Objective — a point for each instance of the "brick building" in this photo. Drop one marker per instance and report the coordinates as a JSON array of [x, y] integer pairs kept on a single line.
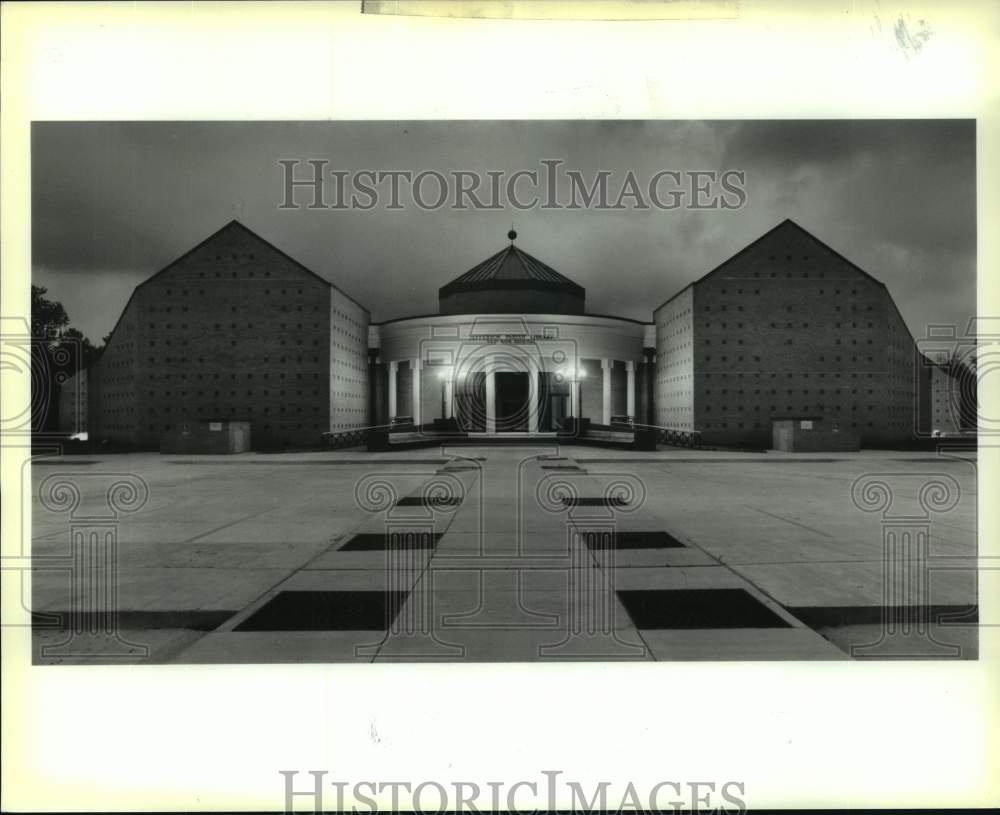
[[237, 330], [786, 326]]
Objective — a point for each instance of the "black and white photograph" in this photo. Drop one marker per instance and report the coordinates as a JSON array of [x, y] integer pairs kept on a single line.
[[499, 406], [506, 391]]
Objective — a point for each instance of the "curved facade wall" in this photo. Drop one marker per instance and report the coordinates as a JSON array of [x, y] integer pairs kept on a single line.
[[599, 355]]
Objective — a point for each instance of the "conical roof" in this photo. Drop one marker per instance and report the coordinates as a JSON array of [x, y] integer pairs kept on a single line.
[[512, 265]]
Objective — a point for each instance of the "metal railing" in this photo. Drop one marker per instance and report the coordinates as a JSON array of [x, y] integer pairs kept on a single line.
[[676, 437], [339, 439]]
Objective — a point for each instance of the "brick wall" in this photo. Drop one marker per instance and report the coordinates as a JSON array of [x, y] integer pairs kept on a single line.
[[788, 327], [944, 401], [234, 330], [112, 407], [900, 418], [349, 374], [674, 372]]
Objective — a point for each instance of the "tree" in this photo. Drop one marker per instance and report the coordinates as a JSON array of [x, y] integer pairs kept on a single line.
[[48, 317], [52, 338], [88, 352]]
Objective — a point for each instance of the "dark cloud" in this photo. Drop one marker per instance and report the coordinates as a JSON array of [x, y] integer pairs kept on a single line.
[[114, 202], [822, 141]]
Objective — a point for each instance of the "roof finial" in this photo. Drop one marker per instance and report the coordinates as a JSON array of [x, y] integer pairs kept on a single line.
[[512, 234]]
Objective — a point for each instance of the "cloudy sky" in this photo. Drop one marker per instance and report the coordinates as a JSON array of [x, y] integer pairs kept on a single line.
[[113, 203]]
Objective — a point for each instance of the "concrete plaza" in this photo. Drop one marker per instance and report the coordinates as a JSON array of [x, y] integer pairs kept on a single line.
[[505, 553]]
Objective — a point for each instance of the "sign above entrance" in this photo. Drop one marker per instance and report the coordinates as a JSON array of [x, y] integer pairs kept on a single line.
[[507, 339]]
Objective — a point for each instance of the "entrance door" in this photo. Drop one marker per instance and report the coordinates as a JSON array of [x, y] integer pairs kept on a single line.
[[512, 393], [470, 403]]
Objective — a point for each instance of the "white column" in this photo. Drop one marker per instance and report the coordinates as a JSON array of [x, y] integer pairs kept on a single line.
[[532, 401], [393, 368], [415, 367], [448, 396], [606, 366], [630, 389], [491, 394]]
